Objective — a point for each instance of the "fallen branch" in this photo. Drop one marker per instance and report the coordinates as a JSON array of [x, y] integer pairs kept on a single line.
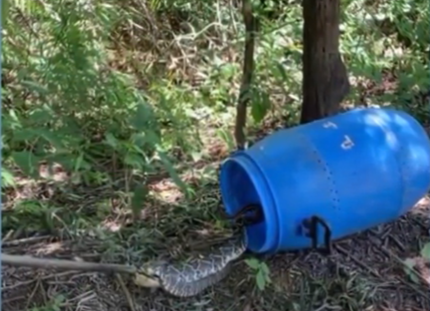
[[33, 262]]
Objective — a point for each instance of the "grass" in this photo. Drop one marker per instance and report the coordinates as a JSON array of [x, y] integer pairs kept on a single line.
[[115, 118]]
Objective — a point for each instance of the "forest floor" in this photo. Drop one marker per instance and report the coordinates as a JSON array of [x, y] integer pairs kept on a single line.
[[184, 61], [366, 272]]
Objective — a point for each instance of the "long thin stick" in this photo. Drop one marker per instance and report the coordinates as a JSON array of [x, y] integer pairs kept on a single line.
[[28, 261]]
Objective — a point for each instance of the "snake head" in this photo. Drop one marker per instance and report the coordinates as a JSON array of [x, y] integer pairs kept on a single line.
[[148, 275]]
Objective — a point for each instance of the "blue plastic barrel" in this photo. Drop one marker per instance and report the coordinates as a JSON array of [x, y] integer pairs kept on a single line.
[[355, 170]]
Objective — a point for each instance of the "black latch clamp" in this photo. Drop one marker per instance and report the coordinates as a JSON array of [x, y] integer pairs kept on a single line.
[[311, 224]]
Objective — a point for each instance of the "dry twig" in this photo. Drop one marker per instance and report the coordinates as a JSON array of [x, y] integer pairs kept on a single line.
[[28, 261]]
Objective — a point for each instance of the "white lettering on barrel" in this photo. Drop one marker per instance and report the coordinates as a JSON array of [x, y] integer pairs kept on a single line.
[[347, 143], [329, 124]]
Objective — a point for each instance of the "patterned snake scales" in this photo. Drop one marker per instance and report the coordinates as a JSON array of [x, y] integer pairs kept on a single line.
[[191, 278]]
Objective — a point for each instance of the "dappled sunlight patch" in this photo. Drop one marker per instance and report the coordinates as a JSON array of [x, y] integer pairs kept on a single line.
[[55, 172], [25, 189], [418, 269], [112, 225], [39, 188], [422, 207], [50, 248], [195, 177], [424, 202], [203, 232], [166, 191]]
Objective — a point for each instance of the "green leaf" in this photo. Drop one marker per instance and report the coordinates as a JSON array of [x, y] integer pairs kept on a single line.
[[134, 160], [172, 172], [425, 252], [144, 117], [139, 140], [253, 263], [80, 163], [21, 135], [27, 162], [227, 137], [414, 278], [261, 280], [265, 268], [40, 116], [282, 72], [228, 71], [260, 106], [409, 270], [5, 5], [151, 137], [111, 140], [147, 140], [53, 138], [7, 179], [139, 195], [60, 298], [35, 87]]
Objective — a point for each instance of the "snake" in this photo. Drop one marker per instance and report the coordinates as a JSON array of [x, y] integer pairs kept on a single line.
[[197, 274], [192, 277]]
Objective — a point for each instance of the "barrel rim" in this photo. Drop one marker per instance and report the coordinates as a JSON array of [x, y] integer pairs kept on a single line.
[[264, 193]]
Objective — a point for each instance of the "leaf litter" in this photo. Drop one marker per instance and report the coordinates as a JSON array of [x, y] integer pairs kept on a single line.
[[383, 269], [368, 271]]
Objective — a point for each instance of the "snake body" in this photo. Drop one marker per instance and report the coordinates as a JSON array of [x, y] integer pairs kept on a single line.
[[194, 276]]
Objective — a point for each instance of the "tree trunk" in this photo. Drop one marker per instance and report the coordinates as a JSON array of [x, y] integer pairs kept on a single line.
[[325, 80], [251, 26]]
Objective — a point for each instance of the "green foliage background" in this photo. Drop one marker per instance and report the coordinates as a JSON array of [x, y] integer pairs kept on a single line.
[[130, 89], [86, 81]]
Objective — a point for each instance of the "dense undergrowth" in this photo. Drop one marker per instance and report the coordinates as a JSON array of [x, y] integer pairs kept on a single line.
[[88, 83], [109, 89]]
